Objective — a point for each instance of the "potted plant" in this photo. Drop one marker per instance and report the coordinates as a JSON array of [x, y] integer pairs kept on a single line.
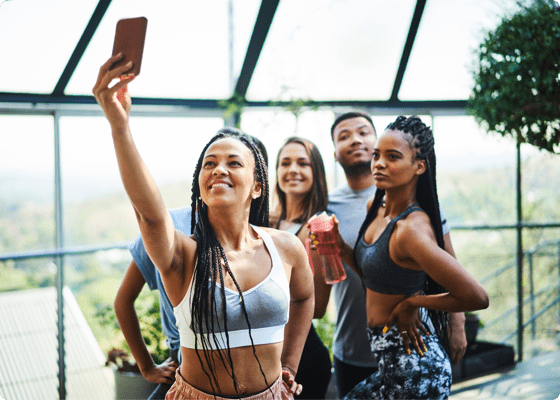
[[129, 382], [516, 81], [472, 325]]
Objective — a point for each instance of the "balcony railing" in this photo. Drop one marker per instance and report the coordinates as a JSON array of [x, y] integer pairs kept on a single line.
[[528, 255]]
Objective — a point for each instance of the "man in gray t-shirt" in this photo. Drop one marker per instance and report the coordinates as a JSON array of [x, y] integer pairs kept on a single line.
[[354, 138]]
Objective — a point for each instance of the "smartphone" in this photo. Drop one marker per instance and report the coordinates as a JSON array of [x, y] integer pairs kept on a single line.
[[129, 40]]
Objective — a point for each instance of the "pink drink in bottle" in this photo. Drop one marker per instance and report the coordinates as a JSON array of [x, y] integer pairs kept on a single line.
[[327, 251]]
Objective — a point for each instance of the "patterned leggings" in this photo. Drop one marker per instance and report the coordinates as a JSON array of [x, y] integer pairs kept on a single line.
[[403, 376]]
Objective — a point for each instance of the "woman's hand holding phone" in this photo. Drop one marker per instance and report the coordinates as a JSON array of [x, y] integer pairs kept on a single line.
[[114, 100]]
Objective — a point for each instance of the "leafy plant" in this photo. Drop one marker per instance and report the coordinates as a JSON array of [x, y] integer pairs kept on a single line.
[[325, 330], [517, 81], [147, 309]]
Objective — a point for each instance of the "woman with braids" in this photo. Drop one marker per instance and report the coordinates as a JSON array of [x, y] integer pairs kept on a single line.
[[411, 282], [234, 283], [301, 187]]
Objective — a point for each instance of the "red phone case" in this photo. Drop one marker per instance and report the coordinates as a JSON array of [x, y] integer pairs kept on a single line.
[[129, 40]]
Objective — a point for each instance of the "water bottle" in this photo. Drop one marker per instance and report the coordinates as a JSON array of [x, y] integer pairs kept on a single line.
[[327, 251]]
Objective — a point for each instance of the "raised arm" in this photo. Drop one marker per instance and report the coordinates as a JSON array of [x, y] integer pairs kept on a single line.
[[156, 226]]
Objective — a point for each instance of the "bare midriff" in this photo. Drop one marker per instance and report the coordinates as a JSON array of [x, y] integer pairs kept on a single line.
[[245, 366], [379, 306]]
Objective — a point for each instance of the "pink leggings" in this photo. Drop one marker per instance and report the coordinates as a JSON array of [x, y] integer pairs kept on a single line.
[[182, 390]]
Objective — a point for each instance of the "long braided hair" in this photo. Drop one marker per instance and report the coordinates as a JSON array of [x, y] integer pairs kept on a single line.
[[211, 261], [421, 138]]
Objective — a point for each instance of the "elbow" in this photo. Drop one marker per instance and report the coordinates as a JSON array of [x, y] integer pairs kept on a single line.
[[482, 301], [486, 301], [117, 306], [122, 305], [319, 312]]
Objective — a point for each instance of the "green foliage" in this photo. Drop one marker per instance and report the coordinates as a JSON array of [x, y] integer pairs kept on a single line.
[[325, 330], [147, 309], [517, 84], [233, 106]]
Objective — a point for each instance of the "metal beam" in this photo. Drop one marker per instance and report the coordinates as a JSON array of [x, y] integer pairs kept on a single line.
[[40, 100], [260, 31], [81, 47], [415, 23]]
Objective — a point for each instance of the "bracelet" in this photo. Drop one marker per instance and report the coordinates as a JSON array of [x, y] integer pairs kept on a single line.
[[289, 370]]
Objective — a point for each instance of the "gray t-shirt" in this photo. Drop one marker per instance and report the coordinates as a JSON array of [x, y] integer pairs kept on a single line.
[[350, 342]]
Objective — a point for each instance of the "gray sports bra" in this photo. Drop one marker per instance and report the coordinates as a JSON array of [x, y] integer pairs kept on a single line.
[[268, 306], [382, 274]]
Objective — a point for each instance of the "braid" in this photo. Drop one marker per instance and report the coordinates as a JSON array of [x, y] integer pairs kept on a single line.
[[421, 138], [372, 213], [212, 261]]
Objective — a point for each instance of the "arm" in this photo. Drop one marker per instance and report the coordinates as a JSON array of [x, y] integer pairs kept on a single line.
[[322, 289], [456, 328], [154, 221], [301, 303], [127, 294], [415, 243]]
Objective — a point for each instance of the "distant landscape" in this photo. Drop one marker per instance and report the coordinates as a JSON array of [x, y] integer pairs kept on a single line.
[[474, 197]]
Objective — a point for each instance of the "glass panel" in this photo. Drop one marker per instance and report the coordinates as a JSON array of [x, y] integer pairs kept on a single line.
[[541, 185], [186, 53], [27, 296], [476, 173], [490, 256], [96, 208], [332, 50], [541, 287], [26, 183], [38, 37], [441, 61]]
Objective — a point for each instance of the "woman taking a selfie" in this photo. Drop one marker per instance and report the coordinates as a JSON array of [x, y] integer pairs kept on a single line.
[[302, 192], [411, 282], [234, 283]]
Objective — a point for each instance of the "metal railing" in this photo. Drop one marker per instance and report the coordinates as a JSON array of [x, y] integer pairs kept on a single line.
[[60, 253], [533, 296]]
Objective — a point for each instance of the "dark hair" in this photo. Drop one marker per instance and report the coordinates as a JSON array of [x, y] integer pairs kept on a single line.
[[211, 257], [317, 198], [261, 147], [349, 115], [420, 137]]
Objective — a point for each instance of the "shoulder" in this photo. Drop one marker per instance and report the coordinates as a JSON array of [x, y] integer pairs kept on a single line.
[[286, 243], [281, 238], [414, 230], [339, 194]]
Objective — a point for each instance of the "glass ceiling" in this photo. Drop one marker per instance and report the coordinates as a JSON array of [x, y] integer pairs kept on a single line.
[[325, 50]]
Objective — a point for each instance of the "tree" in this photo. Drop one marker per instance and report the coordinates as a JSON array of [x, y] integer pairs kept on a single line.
[[517, 81]]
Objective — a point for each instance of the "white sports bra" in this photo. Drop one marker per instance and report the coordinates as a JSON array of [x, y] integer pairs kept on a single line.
[[267, 305]]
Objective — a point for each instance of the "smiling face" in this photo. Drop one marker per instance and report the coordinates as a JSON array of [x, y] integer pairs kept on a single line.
[[354, 139], [294, 173], [394, 163], [227, 175]]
